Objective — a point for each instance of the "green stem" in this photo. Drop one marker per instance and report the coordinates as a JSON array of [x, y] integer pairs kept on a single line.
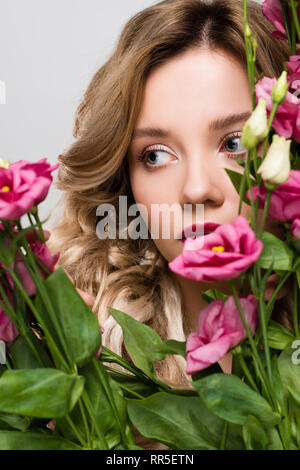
[[110, 356], [274, 295], [295, 18], [77, 434], [247, 171], [38, 280], [86, 400], [37, 219], [265, 213], [270, 121], [247, 372], [57, 356], [262, 317], [100, 371], [85, 423], [224, 436], [250, 337], [296, 320], [286, 22], [21, 326]]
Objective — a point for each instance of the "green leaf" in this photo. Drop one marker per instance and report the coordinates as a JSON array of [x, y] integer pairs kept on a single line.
[[289, 368], [6, 254], [236, 179], [213, 294], [274, 439], [14, 440], [101, 409], [133, 384], [295, 242], [11, 421], [295, 395], [278, 336], [180, 422], [254, 435], [172, 347], [276, 251], [41, 393], [2, 369], [231, 399], [141, 342], [22, 355], [77, 324]]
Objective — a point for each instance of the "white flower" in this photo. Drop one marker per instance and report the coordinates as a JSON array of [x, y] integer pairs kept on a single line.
[[276, 167], [256, 128]]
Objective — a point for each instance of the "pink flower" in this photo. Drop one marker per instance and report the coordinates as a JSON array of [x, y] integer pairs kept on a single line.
[[287, 118], [223, 254], [8, 330], [293, 68], [22, 186], [43, 254], [284, 201], [273, 12], [219, 329], [295, 229]]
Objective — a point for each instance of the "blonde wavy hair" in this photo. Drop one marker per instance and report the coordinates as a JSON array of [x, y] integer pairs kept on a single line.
[[131, 275]]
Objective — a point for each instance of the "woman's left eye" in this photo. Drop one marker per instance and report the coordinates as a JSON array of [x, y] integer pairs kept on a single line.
[[233, 146]]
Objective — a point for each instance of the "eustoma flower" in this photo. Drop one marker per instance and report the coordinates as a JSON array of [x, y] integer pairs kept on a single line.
[[295, 229], [273, 12], [8, 331], [43, 254], [276, 167], [285, 199], [220, 328], [286, 121], [22, 186], [256, 128], [293, 68], [223, 254]]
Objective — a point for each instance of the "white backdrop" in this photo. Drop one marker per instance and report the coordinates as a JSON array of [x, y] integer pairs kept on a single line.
[[49, 50]]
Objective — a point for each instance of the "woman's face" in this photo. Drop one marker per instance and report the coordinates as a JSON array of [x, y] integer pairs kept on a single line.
[[200, 101]]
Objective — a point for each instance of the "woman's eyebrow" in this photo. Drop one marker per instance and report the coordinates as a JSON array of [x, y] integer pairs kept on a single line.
[[216, 124]]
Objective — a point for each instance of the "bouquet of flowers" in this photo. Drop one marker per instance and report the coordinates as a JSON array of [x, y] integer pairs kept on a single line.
[[57, 390]]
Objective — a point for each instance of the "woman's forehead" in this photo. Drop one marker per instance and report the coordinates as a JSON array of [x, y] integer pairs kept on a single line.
[[197, 84]]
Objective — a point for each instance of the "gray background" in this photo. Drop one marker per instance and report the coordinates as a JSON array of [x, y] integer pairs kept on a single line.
[[49, 50]]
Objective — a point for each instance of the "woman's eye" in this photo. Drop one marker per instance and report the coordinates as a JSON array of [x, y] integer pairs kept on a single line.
[[157, 158], [233, 147]]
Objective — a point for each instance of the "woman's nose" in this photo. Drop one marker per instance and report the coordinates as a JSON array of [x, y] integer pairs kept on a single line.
[[203, 182]]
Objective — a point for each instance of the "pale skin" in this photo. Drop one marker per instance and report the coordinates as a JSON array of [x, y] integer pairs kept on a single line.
[[184, 97]]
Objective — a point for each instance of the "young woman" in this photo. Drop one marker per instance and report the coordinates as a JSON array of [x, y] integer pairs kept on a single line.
[[159, 123]]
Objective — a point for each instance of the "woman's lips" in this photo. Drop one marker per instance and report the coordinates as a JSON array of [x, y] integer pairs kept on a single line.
[[197, 230]]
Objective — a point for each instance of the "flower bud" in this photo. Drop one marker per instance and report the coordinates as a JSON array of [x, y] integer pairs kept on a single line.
[[280, 89], [248, 32], [4, 163], [276, 167], [256, 128]]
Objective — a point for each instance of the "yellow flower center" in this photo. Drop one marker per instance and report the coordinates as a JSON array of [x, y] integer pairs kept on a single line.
[[218, 248], [5, 189]]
